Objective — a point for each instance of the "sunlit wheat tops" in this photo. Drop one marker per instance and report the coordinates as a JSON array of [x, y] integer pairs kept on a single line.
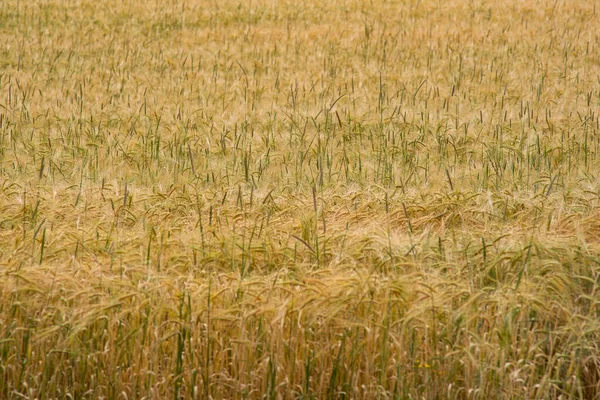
[[334, 199]]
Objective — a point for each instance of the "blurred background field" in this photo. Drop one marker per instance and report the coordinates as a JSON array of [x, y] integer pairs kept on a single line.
[[299, 199]]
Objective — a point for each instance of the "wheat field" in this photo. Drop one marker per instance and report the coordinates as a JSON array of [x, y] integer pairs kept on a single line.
[[317, 199]]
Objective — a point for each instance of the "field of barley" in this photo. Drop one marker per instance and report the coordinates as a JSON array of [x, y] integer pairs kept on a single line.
[[315, 199]]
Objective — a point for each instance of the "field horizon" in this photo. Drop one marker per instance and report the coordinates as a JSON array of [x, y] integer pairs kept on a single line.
[[318, 199]]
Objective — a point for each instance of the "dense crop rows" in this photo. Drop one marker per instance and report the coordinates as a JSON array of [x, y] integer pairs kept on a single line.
[[299, 199]]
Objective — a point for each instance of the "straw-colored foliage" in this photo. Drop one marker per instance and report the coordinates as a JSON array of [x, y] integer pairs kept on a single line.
[[299, 199]]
